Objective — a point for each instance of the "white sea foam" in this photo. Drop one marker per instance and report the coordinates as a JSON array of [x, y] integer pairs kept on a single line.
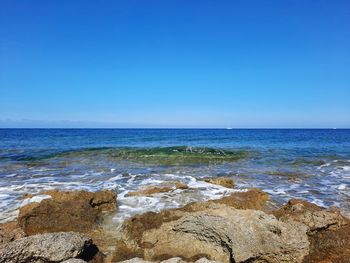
[[35, 199], [346, 168], [342, 187]]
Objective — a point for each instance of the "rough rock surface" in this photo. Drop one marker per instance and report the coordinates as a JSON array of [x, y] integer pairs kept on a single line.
[[251, 199], [215, 231], [66, 211], [315, 217], [74, 260], [51, 248], [228, 235], [223, 181], [330, 246], [170, 260], [162, 188], [10, 231], [104, 200], [133, 228]]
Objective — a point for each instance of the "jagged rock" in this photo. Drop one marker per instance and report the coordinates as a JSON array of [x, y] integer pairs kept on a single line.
[[315, 217], [170, 260], [137, 225], [104, 200], [251, 199], [330, 246], [223, 181], [10, 231], [48, 248], [74, 260], [174, 260], [205, 260], [161, 188], [226, 234], [66, 211], [214, 231], [135, 260]]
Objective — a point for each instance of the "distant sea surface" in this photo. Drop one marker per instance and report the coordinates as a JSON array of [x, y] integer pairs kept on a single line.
[[287, 163]]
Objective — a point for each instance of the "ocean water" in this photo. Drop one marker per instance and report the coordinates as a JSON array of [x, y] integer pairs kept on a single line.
[[287, 163]]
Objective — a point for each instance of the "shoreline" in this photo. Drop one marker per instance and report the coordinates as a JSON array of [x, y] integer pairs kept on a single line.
[[155, 236]]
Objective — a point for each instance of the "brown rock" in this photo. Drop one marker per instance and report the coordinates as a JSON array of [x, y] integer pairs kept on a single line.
[[10, 231], [218, 233], [252, 199], [329, 231], [330, 246], [162, 188], [223, 181], [66, 211], [54, 216], [103, 200], [131, 245], [315, 217]]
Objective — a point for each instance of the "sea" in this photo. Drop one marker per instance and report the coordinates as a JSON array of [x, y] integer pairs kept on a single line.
[[311, 164]]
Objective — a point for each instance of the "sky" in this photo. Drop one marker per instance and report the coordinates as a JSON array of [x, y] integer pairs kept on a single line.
[[175, 63]]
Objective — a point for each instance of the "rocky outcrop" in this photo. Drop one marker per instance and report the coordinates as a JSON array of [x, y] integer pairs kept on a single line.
[[170, 260], [161, 188], [66, 211], [228, 235], [223, 181], [315, 217], [104, 200], [328, 230], [330, 246], [251, 199], [74, 260], [10, 231], [48, 248], [214, 230]]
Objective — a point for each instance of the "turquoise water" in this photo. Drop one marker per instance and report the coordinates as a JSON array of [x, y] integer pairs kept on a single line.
[[309, 164]]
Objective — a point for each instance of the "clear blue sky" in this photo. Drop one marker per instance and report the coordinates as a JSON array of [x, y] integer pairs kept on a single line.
[[175, 63]]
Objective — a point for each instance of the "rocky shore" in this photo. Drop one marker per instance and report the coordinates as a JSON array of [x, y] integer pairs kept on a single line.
[[70, 226]]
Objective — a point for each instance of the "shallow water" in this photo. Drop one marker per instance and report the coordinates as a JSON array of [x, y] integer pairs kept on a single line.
[[309, 164]]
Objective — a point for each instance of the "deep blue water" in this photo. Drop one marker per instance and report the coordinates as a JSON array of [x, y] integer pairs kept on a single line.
[[312, 164]]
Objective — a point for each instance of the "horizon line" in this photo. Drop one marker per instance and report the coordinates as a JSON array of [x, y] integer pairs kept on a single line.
[[174, 128]]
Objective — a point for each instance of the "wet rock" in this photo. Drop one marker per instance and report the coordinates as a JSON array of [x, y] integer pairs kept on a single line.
[[315, 217], [104, 200], [10, 231], [66, 211], [161, 188], [50, 248], [251, 199], [55, 216], [215, 231], [223, 181], [330, 246]]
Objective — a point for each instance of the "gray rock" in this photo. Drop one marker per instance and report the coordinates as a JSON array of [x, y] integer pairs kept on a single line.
[[170, 260], [205, 260], [135, 260], [52, 247], [173, 260], [74, 260], [229, 235]]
